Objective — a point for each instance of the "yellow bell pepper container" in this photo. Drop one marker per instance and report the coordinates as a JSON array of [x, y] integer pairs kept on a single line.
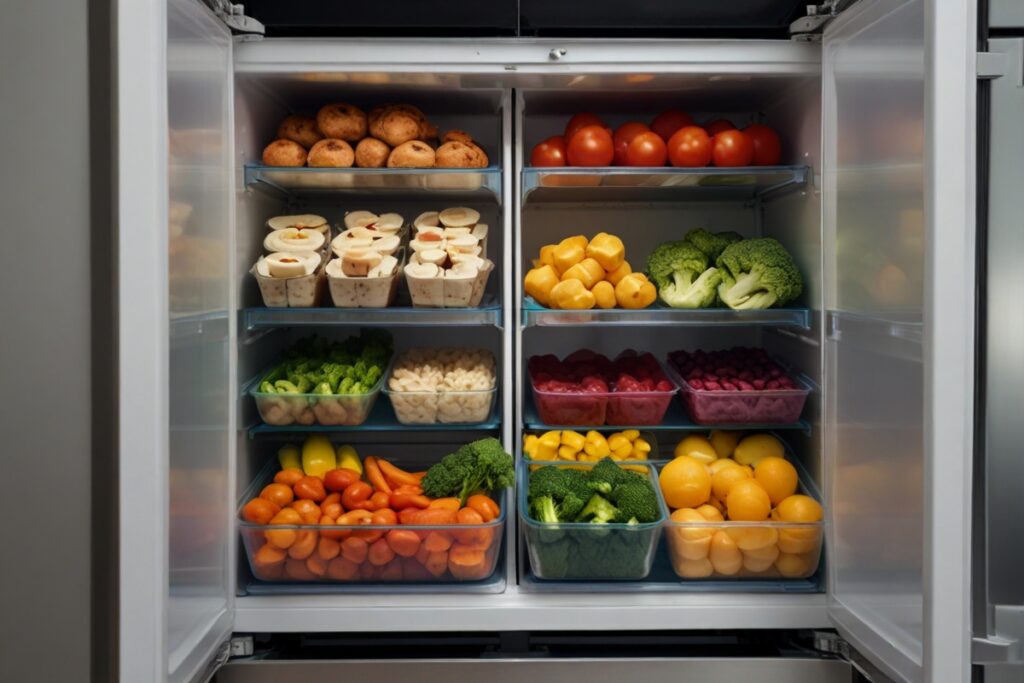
[[613, 276], [571, 294], [608, 250], [530, 445], [604, 294], [539, 282], [568, 253], [573, 439], [597, 445], [635, 291], [588, 271]]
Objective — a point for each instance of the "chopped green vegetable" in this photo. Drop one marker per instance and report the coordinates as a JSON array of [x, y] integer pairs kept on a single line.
[[482, 465], [758, 274], [313, 364]]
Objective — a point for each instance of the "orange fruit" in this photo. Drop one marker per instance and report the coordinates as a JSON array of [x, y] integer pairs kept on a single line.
[[760, 560], [723, 480], [697, 447], [724, 555], [724, 442], [800, 509], [748, 502], [777, 476], [721, 464], [794, 566], [689, 542], [685, 483], [711, 513], [693, 569], [754, 537]]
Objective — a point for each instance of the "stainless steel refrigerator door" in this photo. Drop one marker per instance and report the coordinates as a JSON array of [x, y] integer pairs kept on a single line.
[[1001, 589], [898, 221], [176, 336]]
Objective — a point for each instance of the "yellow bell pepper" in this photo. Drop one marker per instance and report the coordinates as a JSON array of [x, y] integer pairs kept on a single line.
[[613, 276], [597, 445], [288, 457], [547, 255], [318, 455], [530, 444], [567, 453], [576, 239], [621, 447], [635, 291], [547, 446], [608, 250], [539, 282], [568, 253], [573, 439], [571, 294], [631, 434], [641, 449], [348, 458], [604, 294], [588, 271]]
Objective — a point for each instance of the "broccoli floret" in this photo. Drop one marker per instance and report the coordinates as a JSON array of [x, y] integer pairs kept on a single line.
[[757, 274], [558, 482], [636, 501], [554, 558], [711, 243], [680, 271], [598, 511], [700, 293], [482, 465], [607, 471], [570, 507], [544, 509]]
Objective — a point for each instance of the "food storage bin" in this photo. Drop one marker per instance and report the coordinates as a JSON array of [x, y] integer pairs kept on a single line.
[[306, 409], [779, 406], [304, 291], [442, 407], [589, 552], [612, 408], [746, 550], [655, 456], [366, 292], [441, 292], [306, 553]]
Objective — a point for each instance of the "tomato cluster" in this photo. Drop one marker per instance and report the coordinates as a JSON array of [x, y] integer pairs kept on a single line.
[[672, 137]]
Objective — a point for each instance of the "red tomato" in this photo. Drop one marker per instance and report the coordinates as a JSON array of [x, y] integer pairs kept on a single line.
[[581, 121], [732, 148], [717, 126], [669, 121], [550, 152], [624, 135], [591, 146], [767, 147], [647, 149], [690, 146]]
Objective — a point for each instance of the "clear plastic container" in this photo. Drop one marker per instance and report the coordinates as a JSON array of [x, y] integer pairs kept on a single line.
[[325, 554], [441, 292], [442, 407], [653, 457], [304, 291], [308, 409], [589, 552], [365, 292], [626, 408], [778, 406]]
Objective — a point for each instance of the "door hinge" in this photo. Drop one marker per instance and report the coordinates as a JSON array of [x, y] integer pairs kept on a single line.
[[1004, 645], [991, 64], [833, 644], [233, 15], [219, 659], [241, 646], [810, 26]]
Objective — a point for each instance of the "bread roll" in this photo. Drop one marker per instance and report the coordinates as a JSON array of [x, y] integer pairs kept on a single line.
[[300, 129], [331, 153], [342, 121], [372, 153], [460, 155], [284, 153], [412, 154], [458, 136]]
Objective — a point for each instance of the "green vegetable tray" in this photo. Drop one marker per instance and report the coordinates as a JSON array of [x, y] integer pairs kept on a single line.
[[581, 551]]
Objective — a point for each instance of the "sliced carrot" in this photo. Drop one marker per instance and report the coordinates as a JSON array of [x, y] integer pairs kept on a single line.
[[434, 517], [437, 563], [270, 572], [438, 541], [354, 550], [392, 571], [452, 504], [396, 475], [342, 569], [369, 572], [268, 555], [476, 536], [336, 535], [316, 565], [422, 554], [328, 548], [484, 505], [403, 542], [297, 570], [402, 499], [305, 544], [465, 562], [380, 553], [413, 570], [379, 500], [375, 476]]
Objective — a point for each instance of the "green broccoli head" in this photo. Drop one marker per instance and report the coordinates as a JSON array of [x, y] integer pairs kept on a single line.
[[598, 511], [701, 293], [758, 274], [711, 244], [544, 509], [606, 470], [636, 501], [482, 465], [558, 482], [676, 263]]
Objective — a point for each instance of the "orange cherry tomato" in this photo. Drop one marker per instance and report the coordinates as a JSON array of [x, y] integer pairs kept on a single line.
[[580, 121], [259, 511], [379, 500], [550, 152], [331, 505], [340, 479], [717, 126], [690, 146], [624, 135], [289, 476], [732, 148], [767, 146], [669, 121], [484, 506], [354, 549], [278, 494], [591, 146], [308, 510], [646, 149], [356, 494], [283, 538], [333, 534], [310, 488]]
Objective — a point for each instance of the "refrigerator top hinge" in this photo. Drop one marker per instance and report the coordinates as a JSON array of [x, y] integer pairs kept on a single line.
[[808, 28], [233, 15]]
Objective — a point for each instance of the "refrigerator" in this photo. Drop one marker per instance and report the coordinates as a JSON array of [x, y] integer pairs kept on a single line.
[[875, 199]]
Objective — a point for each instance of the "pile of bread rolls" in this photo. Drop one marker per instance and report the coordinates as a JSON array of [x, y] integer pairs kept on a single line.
[[393, 136]]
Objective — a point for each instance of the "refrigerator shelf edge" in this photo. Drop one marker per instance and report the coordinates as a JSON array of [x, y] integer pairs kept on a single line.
[[535, 315], [300, 180], [489, 313], [608, 184]]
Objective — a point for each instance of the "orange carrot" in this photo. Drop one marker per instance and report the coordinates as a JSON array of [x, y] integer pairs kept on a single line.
[[467, 563], [379, 500], [452, 504], [437, 563], [297, 571], [328, 549], [484, 505], [476, 537], [316, 565], [380, 553], [403, 542], [434, 517], [342, 569], [305, 544], [375, 476], [392, 571], [413, 570], [404, 499], [396, 475], [438, 541], [354, 550]]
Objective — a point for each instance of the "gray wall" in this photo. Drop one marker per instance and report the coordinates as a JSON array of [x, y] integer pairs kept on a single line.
[[49, 307]]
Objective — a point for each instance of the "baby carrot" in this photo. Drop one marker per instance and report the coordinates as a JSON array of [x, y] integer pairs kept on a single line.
[[403, 542], [380, 553], [375, 476], [396, 475]]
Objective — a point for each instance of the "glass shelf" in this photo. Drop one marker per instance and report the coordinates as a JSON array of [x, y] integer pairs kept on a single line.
[[535, 315], [675, 419], [382, 419], [405, 181], [487, 314], [611, 184]]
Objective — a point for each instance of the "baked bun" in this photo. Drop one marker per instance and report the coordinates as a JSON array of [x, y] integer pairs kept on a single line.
[[284, 153], [456, 154], [394, 127], [331, 153], [457, 136], [300, 129], [411, 154], [342, 121], [372, 153]]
